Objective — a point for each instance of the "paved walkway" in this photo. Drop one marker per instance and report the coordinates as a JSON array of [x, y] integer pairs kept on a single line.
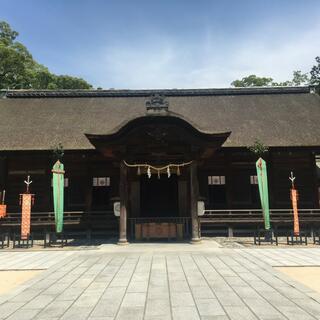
[[146, 282]]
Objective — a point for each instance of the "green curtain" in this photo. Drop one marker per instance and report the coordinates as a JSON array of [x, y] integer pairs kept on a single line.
[[58, 194], [263, 190]]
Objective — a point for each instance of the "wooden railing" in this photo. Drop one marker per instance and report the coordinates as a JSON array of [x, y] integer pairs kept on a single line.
[[88, 219], [105, 220], [256, 216]]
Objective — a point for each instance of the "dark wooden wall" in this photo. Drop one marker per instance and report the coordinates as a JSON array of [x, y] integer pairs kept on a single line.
[[302, 164], [235, 164], [3, 172], [80, 169], [238, 165]]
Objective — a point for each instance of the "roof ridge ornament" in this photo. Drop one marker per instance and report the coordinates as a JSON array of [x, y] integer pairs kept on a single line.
[[157, 104]]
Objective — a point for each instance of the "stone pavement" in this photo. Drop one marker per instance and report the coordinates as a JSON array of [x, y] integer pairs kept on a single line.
[[157, 282]]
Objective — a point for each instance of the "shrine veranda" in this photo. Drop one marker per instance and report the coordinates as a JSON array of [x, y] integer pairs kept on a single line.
[[139, 163]]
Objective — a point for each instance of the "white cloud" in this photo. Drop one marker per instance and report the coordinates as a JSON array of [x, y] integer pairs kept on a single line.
[[278, 60], [172, 64]]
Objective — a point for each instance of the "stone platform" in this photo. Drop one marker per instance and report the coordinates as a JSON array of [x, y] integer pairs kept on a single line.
[[161, 281]]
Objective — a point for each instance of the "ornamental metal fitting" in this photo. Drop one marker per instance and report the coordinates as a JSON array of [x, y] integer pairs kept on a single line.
[[157, 104]]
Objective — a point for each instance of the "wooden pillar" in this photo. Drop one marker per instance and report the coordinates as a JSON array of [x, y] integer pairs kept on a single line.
[[3, 173], [48, 197], [194, 194], [228, 170], [88, 217], [315, 186], [123, 204], [230, 231], [88, 195], [135, 198], [88, 189]]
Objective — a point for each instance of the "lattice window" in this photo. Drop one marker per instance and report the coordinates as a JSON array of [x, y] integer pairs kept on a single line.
[[216, 180], [253, 180], [101, 182]]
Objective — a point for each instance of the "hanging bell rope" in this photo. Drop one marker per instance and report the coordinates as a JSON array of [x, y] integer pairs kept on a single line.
[[158, 170]]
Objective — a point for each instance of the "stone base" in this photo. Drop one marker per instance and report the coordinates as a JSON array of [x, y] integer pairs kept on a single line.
[[195, 241], [122, 242]]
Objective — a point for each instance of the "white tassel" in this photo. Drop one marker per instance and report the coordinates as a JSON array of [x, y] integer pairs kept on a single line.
[[149, 172], [168, 172]]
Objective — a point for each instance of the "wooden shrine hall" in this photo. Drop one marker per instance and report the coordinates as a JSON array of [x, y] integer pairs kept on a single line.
[[160, 164]]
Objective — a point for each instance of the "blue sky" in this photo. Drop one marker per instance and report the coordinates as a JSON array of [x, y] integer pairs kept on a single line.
[[168, 44]]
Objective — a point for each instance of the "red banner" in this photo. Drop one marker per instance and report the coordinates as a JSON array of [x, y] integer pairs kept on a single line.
[[26, 203], [294, 199], [3, 210]]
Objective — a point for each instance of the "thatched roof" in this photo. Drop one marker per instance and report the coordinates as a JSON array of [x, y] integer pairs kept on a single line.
[[39, 120]]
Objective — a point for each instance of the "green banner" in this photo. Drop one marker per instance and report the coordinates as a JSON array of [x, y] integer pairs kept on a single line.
[[58, 194], [263, 190]]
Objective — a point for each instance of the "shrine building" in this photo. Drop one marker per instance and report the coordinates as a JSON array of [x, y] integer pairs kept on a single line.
[[139, 164]]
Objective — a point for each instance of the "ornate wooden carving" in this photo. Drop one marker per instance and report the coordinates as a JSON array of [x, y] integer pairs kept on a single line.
[[157, 103]]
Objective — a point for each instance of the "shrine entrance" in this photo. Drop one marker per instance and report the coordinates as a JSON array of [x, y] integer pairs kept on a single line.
[[162, 144], [158, 214], [159, 197]]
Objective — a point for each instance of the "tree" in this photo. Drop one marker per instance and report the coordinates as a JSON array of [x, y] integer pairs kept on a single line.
[[18, 69], [298, 79], [252, 81], [67, 82], [7, 35], [315, 74], [15, 60]]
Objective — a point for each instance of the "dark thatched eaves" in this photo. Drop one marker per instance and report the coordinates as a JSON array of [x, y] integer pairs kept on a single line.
[[39, 120]]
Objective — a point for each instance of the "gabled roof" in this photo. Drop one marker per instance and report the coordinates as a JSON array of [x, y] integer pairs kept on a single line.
[[277, 116]]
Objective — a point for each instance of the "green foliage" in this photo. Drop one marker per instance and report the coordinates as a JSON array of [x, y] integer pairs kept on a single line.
[[67, 82], [58, 152], [252, 81], [7, 35], [315, 74], [258, 148], [13, 71], [18, 69], [298, 79]]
